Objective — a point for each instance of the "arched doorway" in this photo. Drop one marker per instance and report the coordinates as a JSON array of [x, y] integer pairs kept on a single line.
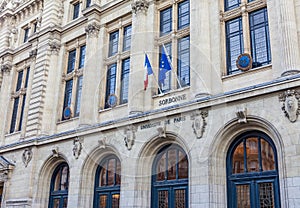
[[107, 183], [252, 172], [170, 178]]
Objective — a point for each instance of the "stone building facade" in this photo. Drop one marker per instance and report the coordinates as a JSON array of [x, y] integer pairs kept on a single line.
[[219, 128]]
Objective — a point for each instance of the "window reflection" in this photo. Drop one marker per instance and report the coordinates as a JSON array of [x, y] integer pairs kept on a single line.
[[259, 156], [110, 173], [172, 165]]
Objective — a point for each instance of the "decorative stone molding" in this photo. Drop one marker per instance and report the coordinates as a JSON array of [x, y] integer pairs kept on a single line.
[[242, 115], [129, 136], [290, 104], [6, 168], [55, 152], [27, 156], [102, 143], [199, 123], [139, 6], [92, 29], [54, 46], [77, 147]]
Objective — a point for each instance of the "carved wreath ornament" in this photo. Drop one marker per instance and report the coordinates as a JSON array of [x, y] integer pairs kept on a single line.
[[290, 104]]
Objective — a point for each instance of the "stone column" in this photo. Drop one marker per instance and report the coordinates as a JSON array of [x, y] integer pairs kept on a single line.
[[289, 42], [91, 75], [142, 40]]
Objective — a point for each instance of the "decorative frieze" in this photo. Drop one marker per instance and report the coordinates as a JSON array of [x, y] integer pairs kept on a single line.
[[92, 29], [129, 136], [139, 6], [290, 104]]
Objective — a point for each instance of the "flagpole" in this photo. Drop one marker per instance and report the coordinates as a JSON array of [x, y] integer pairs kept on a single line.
[[154, 77], [170, 62]]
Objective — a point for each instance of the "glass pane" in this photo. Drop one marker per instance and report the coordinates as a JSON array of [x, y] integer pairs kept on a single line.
[[163, 199], [231, 4], [113, 43], [103, 201], [19, 81], [65, 203], [238, 159], [234, 43], [165, 21], [166, 84], [115, 200], [260, 40], [127, 38], [103, 175], [76, 10], [183, 70], [110, 82], [182, 166], [78, 95], [71, 61], [183, 14], [243, 196], [180, 198], [82, 56], [57, 182], [125, 81], [267, 156], [161, 168], [172, 156], [266, 195], [55, 203], [118, 173], [111, 172], [252, 154], [14, 115], [64, 178]]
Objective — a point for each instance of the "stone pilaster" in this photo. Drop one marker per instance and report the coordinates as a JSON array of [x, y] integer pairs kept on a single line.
[[142, 32], [289, 42], [5, 95], [91, 75], [203, 71]]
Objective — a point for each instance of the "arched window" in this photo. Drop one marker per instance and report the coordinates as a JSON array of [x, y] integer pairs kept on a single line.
[[252, 172], [107, 183], [59, 187], [170, 178]]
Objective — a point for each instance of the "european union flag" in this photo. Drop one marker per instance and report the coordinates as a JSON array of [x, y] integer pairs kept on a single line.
[[164, 67]]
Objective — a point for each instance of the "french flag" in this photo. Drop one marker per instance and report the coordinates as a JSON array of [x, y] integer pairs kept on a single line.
[[148, 71]]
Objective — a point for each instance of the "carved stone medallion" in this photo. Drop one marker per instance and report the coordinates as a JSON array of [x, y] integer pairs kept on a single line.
[[199, 123], [27, 156], [77, 147], [290, 104], [129, 136]]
